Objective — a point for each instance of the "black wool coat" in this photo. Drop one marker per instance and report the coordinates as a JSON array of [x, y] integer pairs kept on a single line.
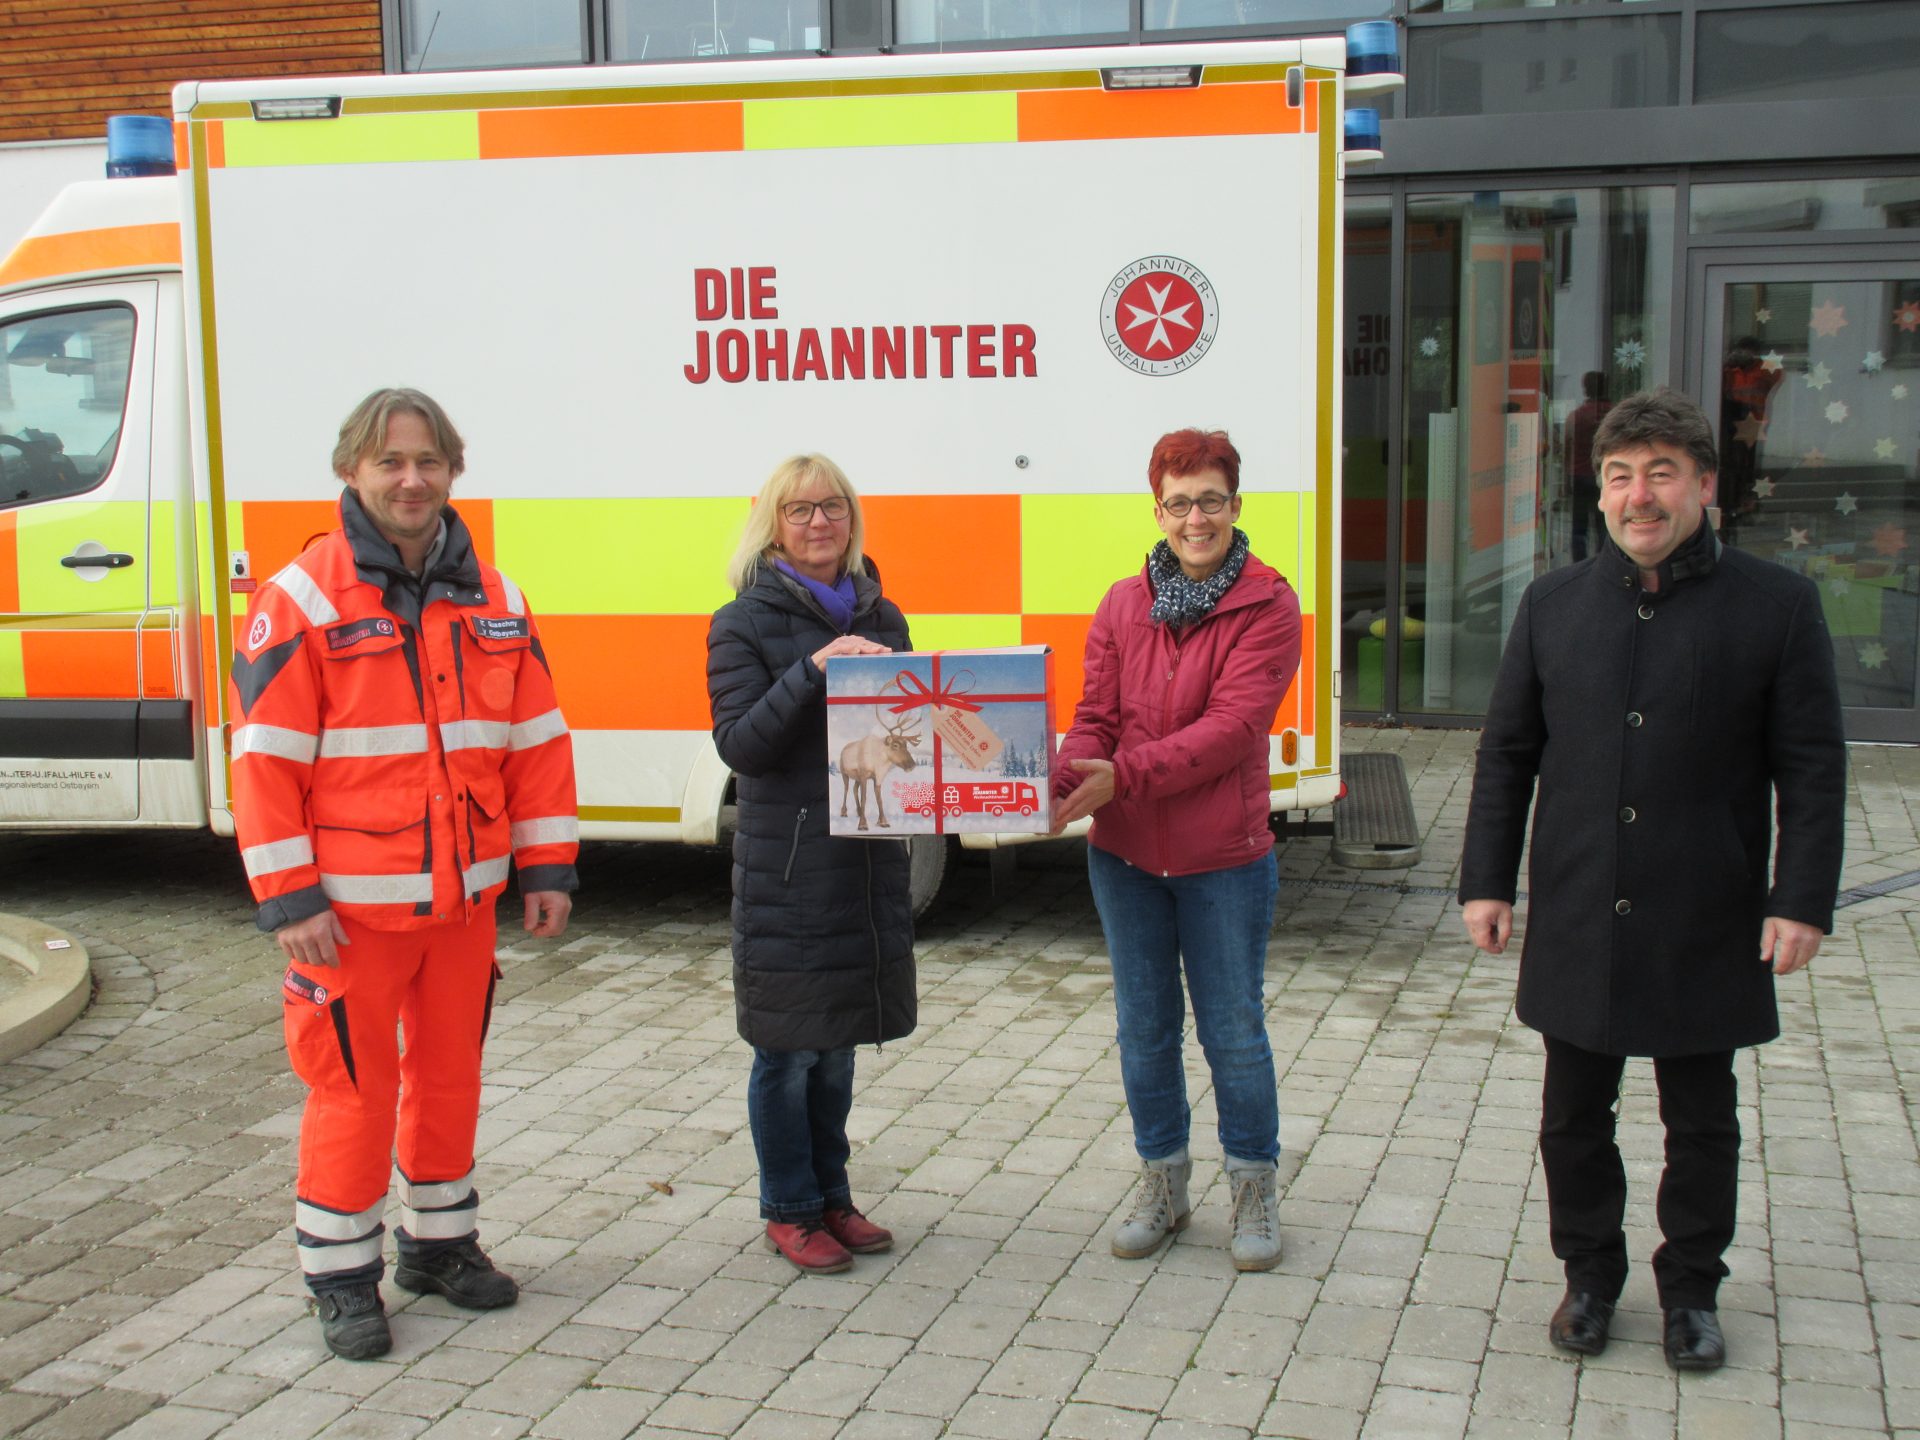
[[822, 926], [1660, 725]]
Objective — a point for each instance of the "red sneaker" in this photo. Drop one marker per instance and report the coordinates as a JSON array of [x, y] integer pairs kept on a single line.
[[808, 1245], [856, 1232]]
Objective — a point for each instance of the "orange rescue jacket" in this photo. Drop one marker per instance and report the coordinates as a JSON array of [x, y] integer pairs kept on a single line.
[[394, 739]]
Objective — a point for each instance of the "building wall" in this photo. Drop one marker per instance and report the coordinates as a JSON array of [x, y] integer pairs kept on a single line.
[[64, 68]]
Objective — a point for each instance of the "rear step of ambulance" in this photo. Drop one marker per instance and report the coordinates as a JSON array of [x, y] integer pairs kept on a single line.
[[1373, 823]]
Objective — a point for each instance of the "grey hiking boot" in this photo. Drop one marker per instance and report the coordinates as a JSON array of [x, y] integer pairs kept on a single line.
[[1256, 1213], [1160, 1207]]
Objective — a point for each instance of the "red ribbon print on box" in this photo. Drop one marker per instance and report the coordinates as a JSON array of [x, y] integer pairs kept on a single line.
[[914, 693]]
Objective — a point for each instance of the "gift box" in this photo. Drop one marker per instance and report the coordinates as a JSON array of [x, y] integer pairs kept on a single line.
[[941, 742]]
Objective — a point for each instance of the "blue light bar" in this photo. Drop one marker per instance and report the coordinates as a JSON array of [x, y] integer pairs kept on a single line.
[[1373, 48], [139, 145], [1363, 131]]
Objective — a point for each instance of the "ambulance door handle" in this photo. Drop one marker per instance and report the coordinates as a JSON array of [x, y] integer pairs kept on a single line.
[[99, 560]]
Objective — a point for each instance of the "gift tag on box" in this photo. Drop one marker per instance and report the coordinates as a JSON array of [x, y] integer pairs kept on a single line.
[[968, 736]]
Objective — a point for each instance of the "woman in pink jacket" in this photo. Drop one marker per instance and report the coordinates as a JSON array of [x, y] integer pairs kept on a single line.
[[1186, 665]]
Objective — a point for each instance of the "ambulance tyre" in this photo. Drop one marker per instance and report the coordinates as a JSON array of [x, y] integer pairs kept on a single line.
[[927, 857]]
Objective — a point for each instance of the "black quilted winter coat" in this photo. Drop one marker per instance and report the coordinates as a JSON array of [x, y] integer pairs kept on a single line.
[[822, 927]]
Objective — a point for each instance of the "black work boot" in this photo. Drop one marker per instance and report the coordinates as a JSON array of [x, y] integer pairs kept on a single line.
[[354, 1321], [462, 1273]]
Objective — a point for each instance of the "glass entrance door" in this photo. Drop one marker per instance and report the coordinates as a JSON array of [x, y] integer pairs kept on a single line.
[[1814, 372]]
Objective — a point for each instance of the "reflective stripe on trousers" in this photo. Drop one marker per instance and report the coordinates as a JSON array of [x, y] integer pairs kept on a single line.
[[330, 1241]]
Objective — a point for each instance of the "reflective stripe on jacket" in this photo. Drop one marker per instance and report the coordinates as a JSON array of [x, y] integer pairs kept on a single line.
[[397, 745]]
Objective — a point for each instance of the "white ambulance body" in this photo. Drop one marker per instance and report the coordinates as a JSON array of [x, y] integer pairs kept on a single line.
[[982, 283]]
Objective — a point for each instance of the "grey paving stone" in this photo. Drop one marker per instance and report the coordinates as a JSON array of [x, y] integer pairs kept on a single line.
[[146, 1156]]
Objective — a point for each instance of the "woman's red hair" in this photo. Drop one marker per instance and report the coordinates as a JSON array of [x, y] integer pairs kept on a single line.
[[1193, 452]]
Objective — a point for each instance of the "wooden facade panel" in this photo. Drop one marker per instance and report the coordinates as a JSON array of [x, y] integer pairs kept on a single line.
[[65, 68]]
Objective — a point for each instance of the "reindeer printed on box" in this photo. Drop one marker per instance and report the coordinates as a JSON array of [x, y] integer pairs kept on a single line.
[[865, 762]]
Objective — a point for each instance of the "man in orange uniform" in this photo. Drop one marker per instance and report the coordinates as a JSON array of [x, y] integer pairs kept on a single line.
[[396, 739]]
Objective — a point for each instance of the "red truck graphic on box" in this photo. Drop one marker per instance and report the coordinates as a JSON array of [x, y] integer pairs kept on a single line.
[[970, 797]]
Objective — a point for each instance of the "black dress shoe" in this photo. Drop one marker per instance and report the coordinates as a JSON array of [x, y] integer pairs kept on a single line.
[[1580, 1324], [1694, 1341]]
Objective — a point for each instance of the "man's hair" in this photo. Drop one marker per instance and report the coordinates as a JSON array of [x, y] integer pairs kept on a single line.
[[364, 432], [1656, 417], [762, 530], [1192, 452]]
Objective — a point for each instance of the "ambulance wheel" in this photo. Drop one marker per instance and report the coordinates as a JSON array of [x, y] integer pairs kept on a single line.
[[927, 857], [997, 811]]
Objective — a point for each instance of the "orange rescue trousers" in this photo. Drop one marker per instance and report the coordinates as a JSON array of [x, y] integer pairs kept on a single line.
[[437, 984]]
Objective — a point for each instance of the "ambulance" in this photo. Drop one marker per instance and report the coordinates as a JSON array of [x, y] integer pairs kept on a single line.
[[983, 283]]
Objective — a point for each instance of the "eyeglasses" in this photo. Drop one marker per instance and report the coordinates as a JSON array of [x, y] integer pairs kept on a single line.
[[1211, 503], [800, 512]]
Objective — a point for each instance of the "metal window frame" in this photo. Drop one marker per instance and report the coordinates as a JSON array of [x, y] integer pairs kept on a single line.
[[393, 46]]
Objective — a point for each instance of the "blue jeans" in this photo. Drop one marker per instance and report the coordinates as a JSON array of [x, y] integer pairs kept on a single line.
[[1215, 926], [798, 1102]]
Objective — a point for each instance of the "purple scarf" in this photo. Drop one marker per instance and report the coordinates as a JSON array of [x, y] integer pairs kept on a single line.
[[836, 599]]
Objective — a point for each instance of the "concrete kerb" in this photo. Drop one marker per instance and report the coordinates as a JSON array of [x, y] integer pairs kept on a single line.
[[58, 983]]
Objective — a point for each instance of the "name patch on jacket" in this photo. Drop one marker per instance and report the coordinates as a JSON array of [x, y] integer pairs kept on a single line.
[[496, 627], [339, 637], [299, 987]]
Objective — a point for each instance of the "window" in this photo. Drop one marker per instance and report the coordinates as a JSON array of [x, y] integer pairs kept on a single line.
[[1529, 313], [1776, 206], [477, 34], [1598, 62], [62, 393], [960, 22], [1271, 15], [1809, 52], [679, 29], [1423, 7]]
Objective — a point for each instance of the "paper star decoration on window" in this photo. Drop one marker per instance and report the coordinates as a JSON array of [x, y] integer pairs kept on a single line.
[[1837, 412], [1814, 458], [1907, 317], [1762, 315], [1429, 347], [1820, 376], [1796, 537], [1884, 447], [1873, 655], [1874, 362], [1845, 503], [1899, 392], [1763, 487], [1772, 361], [1839, 585], [1629, 354], [1828, 319], [1750, 430], [1889, 540]]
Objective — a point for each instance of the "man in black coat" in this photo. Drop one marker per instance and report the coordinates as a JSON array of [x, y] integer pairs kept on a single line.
[[1661, 692]]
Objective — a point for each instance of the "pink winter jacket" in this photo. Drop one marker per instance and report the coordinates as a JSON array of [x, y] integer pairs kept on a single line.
[[1185, 716]]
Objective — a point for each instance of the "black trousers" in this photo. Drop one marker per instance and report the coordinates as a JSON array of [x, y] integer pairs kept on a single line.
[[1587, 1185]]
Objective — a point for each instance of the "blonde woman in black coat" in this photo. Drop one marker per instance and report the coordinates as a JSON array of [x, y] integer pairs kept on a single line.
[[822, 927]]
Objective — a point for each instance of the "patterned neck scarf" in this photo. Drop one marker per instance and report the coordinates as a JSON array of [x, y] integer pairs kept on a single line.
[[1178, 600], [836, 600]]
